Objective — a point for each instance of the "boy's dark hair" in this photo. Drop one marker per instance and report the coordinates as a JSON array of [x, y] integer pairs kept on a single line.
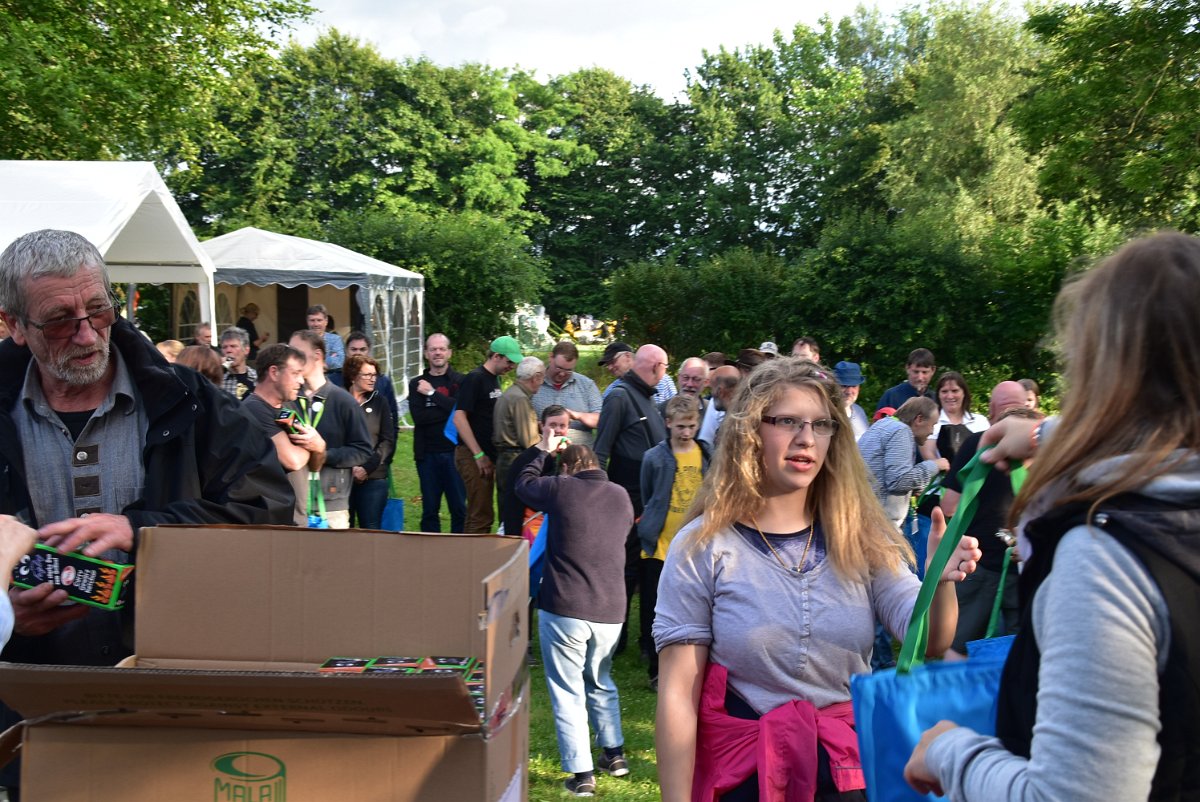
[[551, 411], [921, 358], [809, 341], [358, 335]]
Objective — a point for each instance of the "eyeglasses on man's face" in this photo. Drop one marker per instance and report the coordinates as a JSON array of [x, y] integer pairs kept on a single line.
[[822, 427], [64, 328]]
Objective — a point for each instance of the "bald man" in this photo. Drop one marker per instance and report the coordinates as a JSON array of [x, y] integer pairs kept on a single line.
[[629, 426], [978, 593]]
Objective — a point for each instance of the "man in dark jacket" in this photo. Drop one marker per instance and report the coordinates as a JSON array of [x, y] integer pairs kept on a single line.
[[99, 437], [630, 425]]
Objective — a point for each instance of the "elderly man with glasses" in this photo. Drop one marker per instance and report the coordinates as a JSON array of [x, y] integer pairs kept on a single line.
[[573, 391], [99, 437]]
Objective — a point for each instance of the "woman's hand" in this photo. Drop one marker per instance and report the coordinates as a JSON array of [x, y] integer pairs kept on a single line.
[[965, 558], [916, 772], [1012, 438]]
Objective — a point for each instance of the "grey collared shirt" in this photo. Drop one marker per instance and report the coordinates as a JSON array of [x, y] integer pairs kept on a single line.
[[578, 393], [102, 470]]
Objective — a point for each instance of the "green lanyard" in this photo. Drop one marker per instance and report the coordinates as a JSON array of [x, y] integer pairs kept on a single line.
[[971, 476], [318, 407], [316, 497]]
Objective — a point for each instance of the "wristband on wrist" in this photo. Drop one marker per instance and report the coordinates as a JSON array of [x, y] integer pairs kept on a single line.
[[478, 456]]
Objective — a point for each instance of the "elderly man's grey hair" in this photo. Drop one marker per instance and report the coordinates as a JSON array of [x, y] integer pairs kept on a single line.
[[235, 333], [48, 252], [529, 367]]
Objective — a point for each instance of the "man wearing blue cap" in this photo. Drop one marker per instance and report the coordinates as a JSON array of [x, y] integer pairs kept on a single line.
[[849, 377], [475, 455]]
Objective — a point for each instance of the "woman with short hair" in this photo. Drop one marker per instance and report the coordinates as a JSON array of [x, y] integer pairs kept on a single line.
[[369, 493]]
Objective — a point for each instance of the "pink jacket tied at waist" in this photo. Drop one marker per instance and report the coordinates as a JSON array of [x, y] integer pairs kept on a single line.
[[781, 746]]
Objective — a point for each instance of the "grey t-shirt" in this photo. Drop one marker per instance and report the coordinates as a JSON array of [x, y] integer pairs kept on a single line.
[[1096, 735], [781, 635]]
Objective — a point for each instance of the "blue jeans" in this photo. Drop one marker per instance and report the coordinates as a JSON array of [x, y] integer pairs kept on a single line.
[[439, 477], [367, 501], [577, 656], [919, 538]]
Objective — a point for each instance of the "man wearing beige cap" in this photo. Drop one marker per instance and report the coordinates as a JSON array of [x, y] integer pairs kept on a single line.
[[475, 456]]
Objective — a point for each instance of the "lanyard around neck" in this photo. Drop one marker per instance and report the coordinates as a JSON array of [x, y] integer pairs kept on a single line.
[[308, 417]]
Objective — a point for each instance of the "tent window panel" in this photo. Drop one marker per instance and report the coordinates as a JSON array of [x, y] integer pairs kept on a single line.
[[224, 312], [378, 327], [189, 315], [412, 332]]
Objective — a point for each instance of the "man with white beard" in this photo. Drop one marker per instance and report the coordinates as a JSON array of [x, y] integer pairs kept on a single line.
[[99, 437]]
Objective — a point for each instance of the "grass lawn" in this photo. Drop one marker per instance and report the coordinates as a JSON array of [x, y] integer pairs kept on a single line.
[[637, 700]]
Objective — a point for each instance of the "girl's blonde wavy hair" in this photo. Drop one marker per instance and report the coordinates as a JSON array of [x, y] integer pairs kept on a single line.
[[1129, 334], [859, 537]]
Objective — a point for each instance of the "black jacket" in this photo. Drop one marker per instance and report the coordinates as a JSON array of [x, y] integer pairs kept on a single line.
[[629, 427], [205, 462]]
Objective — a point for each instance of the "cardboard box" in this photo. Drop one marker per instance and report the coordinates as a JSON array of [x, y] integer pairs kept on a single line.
[[226, 685]]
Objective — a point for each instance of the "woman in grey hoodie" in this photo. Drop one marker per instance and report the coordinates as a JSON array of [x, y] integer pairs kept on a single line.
[[1099, 698]]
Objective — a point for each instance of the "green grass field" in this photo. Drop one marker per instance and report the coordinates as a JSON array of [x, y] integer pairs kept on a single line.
[[637, 700]]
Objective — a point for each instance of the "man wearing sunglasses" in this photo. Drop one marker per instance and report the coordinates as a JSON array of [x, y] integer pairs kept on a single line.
[[99, 436]]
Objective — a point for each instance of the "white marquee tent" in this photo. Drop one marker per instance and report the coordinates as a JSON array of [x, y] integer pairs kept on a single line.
[[390, 298], [123, 208]]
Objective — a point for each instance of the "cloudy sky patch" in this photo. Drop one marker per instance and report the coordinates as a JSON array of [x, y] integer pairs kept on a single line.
[[647, 41]]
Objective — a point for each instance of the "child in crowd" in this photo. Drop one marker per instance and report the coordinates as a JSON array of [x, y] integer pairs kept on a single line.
[[671, 475]]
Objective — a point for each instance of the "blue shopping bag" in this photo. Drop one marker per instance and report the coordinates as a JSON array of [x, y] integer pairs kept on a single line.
[[537, 559], [393, 515], [892, 708]]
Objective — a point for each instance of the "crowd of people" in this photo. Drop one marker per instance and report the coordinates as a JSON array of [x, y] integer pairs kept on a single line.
[[775, 532]]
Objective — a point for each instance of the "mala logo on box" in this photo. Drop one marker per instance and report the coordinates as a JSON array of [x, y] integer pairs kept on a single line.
[[249, 777]]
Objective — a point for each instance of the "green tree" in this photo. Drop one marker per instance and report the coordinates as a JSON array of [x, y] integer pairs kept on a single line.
[[1114, 114], [84, 79], [774, 123], [337, 126], [954, 162], [723, 302], [619, 201]]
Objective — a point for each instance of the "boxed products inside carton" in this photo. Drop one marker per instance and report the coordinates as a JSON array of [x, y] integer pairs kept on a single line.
[[233, 625]]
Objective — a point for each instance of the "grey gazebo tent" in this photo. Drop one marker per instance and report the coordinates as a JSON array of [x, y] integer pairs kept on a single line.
[[389, 297]]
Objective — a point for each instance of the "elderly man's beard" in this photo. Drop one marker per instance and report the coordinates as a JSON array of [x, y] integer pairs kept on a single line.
[[61, 367]]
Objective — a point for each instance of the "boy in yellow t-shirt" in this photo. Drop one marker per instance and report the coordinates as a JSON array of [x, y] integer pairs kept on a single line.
[[671, 476]]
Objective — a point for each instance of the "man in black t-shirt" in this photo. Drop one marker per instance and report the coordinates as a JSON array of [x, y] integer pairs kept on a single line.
[[431, 399], [281, 371], [475, 456], [977, 594]]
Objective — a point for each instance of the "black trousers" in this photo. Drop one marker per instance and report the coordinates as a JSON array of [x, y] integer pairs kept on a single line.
[[650, 570]]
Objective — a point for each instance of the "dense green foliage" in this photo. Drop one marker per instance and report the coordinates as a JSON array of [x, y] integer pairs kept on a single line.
[[109, 79], [876, 182]]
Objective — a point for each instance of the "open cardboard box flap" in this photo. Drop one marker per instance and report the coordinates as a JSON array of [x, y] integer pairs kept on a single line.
[[375, 704], [226, 616]]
